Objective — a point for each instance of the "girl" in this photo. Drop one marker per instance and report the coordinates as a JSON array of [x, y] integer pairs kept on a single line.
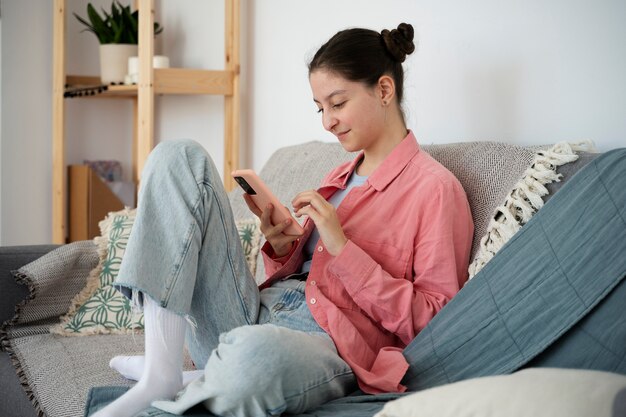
[[386, 245]]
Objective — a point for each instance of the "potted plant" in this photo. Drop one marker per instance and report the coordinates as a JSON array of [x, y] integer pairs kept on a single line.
[[117, 33]]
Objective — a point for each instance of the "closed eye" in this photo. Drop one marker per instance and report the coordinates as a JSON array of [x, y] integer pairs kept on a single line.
[[335, 107]]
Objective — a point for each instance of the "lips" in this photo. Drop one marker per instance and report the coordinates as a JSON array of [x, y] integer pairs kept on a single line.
[[342, 135]]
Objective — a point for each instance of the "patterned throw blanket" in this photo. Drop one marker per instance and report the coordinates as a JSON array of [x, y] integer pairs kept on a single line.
[[52, 368]]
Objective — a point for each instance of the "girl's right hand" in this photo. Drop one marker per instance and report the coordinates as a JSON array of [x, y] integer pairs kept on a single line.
[[281, 243]]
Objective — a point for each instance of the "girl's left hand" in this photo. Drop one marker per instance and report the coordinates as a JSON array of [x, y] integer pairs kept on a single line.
[[324, 215]]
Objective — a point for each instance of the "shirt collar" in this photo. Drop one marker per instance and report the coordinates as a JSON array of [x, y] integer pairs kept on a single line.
[[393, 164]]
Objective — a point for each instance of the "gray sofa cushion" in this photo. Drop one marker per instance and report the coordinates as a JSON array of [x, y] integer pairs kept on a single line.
[[19, 405]]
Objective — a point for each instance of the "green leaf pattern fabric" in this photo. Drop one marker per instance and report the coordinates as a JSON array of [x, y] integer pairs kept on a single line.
[[250, 236], [100, 308]]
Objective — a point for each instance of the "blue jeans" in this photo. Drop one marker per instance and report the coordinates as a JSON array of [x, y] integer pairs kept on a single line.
[[263, 353]]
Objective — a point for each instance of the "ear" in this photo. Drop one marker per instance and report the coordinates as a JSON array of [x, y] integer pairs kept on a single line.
[[386, 89]]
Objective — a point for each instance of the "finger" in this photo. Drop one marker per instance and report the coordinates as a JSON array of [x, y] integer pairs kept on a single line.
[[318, 203], [279, 229], [268, 211], [305, 198], [268, 228], [309, 211], [266, 219], [303, 195], [284, 240]]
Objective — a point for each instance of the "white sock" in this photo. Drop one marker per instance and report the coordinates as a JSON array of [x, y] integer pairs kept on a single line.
[[131, 367], [162, 371], [190, 376]]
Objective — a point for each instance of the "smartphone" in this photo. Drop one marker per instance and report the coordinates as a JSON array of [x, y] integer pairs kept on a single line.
[[254, 186]]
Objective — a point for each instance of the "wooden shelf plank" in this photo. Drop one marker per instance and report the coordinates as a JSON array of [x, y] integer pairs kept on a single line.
[[127, 92], [121, 90], [192, 81], [82, 80], [167, 81]]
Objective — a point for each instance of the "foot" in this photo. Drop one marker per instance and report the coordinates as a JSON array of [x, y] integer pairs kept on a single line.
[[130, 367], [162, 376], [141, 396]]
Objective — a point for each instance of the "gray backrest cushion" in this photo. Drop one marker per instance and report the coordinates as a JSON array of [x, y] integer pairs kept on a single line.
[[487, 171]]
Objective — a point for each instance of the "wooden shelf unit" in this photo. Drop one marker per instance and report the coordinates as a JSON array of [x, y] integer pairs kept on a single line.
[[151, 82]]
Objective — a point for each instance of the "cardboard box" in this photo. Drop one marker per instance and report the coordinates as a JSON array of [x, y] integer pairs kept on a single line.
[[90, 201]]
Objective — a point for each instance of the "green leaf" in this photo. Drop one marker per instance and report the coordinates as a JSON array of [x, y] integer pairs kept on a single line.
[[120, 25], [86, 23], [131, 20], [99, 26]]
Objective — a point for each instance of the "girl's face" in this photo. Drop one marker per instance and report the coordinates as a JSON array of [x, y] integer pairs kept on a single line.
[[350, 110]]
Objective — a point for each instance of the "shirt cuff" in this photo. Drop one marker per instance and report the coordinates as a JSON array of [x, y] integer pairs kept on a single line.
[[270, 256]]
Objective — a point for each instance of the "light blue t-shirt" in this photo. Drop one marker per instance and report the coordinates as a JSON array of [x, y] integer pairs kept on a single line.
[[336, 199]]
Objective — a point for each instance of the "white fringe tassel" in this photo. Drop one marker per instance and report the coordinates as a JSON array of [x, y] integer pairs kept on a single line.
[[525, 199]]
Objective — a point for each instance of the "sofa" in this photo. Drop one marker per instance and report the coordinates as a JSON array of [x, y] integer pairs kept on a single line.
[[45, 374]]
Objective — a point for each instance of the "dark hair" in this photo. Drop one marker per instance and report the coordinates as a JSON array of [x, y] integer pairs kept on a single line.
[[364, 55]]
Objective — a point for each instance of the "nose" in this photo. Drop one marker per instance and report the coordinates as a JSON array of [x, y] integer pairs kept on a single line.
[[329, 121]]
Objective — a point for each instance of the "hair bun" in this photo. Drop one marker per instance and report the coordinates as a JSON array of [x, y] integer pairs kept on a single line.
[[399, 42]]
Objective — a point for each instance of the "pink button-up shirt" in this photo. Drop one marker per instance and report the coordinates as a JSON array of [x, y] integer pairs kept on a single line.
[[409, 231]]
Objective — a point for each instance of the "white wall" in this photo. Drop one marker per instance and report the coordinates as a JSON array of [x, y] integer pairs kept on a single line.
[[26, 121], [520, 71], [525, 72]]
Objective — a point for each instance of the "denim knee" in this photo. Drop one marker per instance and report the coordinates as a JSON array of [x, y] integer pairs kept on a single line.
[[172, 158], [170, 151], [248, 368], [241, 349]]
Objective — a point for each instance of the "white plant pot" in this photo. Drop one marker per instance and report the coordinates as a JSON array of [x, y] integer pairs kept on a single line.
[[114, 61]]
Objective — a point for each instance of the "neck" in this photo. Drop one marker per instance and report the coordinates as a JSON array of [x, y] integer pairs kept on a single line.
[[376, 154]]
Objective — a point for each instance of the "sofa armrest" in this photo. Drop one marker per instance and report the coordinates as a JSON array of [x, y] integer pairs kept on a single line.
[[12, 258]]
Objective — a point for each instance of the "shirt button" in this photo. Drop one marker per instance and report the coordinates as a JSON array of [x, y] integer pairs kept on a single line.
[[313, 301], [320, 248], [312, 283]]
